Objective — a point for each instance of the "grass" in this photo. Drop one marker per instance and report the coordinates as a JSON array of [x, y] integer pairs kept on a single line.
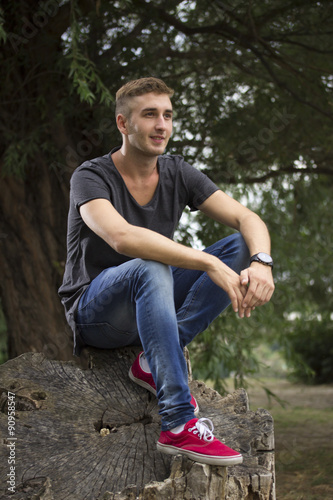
[[303, 437], [303, 428]]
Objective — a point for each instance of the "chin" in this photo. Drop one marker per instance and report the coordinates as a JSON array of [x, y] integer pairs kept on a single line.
[[155, 151]]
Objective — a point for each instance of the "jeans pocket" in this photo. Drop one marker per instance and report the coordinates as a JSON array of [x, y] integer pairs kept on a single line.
[[104, 336]]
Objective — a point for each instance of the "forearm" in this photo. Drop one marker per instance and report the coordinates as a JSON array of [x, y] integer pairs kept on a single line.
[[258, 277], [138, 242], [143, 243], [219, 206], [146, 244], [255, 234]]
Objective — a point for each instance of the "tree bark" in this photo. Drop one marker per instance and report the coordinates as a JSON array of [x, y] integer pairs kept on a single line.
[[34, 200], [32, 250], [91, 433]]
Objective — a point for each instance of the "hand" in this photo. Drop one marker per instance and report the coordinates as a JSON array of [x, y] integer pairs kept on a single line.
[[260, 285], [227, 279]]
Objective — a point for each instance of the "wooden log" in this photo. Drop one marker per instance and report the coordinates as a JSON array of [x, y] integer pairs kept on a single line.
[[91, 434]]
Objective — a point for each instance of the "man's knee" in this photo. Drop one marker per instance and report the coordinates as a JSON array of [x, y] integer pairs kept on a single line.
[[156, 281], [242, 251], [233, 251], [156, 270]]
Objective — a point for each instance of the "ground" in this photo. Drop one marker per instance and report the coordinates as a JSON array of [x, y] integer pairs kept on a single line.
[[303, 436]]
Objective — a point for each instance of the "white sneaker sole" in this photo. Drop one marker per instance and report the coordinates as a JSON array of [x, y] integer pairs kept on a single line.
[[141, 382], [198, 457]]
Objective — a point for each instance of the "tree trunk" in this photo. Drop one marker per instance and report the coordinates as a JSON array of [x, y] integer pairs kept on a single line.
[[39, 128], [32, 252], [91, 433]]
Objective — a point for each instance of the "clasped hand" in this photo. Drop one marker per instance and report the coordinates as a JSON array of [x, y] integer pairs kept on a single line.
[[256, 286], [253, 287]]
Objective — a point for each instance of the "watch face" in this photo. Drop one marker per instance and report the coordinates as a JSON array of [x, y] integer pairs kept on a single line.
[[265, 257]]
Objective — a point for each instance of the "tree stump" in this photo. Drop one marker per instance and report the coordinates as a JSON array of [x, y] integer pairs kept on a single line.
[[91, 434]]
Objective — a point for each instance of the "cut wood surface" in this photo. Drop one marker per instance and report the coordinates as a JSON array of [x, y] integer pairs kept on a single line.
[[91, 434]]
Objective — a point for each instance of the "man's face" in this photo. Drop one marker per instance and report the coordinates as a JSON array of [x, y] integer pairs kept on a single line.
[[149, 126]]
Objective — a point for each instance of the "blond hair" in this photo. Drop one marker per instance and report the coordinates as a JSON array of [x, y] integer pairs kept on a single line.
[[138, 87]]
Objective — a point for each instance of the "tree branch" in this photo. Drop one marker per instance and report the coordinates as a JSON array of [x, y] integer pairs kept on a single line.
[[292, 169], [244, 40], [58, 24]]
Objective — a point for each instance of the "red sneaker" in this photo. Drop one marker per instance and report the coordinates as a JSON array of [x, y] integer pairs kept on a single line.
[[198, 442], [146, 380]]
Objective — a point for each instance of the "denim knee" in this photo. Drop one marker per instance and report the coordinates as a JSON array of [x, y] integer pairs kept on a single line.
[[156, 272], [243, 248], [242, 260]]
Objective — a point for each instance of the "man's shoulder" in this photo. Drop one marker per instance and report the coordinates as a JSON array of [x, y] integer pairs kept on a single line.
[[175, 163], [97, 170], [169, 158], [95, 163]]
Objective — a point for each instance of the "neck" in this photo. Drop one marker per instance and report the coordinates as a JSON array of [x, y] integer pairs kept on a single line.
[[134, 165]]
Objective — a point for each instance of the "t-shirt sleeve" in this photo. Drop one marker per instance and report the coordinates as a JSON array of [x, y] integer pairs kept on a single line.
[[88, 184], [199, 186]]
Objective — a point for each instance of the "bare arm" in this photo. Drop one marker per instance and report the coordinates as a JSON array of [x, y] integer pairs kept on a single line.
[[259, 277], [102, 218]]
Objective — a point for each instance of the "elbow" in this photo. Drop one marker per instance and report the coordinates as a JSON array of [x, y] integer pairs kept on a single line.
[[118, 243], [120, 247], [121, 242], [250, 216]]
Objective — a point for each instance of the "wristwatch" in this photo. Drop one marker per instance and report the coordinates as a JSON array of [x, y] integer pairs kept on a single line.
[[263, 258]]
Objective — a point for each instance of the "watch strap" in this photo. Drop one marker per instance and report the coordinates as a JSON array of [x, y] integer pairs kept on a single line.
[[266, 262]]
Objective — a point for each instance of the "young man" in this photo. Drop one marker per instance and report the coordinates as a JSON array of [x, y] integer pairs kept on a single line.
[[128, 283]]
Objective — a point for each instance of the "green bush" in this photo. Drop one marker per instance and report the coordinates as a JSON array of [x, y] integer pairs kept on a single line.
[[311, 351]]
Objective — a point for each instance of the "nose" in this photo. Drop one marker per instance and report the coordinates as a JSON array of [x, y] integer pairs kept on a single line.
[[160, 123]]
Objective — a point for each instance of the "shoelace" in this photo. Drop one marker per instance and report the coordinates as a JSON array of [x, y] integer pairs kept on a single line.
[[205, 430]]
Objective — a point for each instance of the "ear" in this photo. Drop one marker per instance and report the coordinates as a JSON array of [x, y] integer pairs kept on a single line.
[[122, 123]]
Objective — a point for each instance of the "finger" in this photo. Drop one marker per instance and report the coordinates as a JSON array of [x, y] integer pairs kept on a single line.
[[241, 308], [241, 312], [270, 293], [266, 294], [244, 277], [250, 298], [234, 301], [236, 298], [236, 295], [262, 295], [248, 311]]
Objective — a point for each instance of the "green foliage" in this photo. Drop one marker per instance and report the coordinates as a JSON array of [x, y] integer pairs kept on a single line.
[[18, 154], [249, 77], [229, 348], [298, 214], [311, 353], [83, 71], [3, 35], [253, 100], [225, 349]]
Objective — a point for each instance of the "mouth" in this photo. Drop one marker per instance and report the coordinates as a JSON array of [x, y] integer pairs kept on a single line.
[[158, 139]]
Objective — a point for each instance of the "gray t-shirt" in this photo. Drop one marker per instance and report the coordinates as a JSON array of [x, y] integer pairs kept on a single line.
[[179, 185]]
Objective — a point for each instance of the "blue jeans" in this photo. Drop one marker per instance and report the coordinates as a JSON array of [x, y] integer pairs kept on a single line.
[[163, 308]]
